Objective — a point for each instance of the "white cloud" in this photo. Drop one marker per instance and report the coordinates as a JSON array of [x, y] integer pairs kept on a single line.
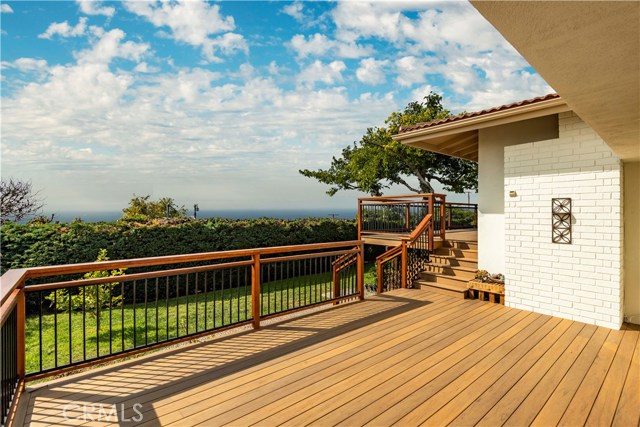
[[110, 46], [5, 8], [94, 7], [228, 44], [372, 71], [63, 29], [26, 64], [450, 41], [411, 70], [319, 72], [143, 67], [295, 11], [319, 45], [192, 22]]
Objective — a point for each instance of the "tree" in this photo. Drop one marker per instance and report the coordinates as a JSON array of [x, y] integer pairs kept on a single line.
[[376, 162], [142, 208], [17, 200]]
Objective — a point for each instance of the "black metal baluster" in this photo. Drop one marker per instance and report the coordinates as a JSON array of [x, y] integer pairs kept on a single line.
[[166, 304], [70, 344], [146, 319], [110, 318], [135, 328], [39, 328], [196, 291], [215, 291], [282, 284], [177, 306], [206, 297], [97, 321], [238, 292], [268, 293], [55, 327], [157, 337], [222, 298], [186, 280], [246, 276], [121, 314]]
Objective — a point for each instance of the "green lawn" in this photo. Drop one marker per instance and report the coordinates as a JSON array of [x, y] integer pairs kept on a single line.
[[134, 326]]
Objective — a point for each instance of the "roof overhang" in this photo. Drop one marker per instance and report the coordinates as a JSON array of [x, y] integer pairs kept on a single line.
[[459, 138], [589, 52]]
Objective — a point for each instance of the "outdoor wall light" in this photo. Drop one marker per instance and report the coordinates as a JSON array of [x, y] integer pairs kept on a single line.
[[561, 220]]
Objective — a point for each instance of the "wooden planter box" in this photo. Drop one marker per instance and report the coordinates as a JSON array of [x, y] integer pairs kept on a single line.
[[486, 291]]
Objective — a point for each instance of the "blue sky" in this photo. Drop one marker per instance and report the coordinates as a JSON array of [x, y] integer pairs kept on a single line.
[[220, 103]]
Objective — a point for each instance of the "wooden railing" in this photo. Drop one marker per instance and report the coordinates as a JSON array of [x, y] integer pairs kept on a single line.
[[54, 319], [461, 215], [400, 265], [401, 214]]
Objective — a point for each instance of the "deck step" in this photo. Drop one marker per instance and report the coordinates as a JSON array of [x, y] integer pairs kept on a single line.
[[460, 244], [443, 278], [471, 254], [454, 262], [467, 273], [457, 291]]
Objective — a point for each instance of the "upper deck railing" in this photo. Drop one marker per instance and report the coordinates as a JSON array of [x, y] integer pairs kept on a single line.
[[402, 214], [55, 319]]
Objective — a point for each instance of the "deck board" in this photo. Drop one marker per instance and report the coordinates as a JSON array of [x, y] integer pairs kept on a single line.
[[407, 357]]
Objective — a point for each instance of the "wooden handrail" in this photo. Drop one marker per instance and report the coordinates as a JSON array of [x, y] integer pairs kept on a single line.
[[422, 226], [13, 279], [402, 196], [389, 254]]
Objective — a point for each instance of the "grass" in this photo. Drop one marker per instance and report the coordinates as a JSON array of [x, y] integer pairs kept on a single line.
[[128, 326]]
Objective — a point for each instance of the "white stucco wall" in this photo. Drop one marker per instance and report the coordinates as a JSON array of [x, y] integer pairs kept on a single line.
[[491, 144], [582, 280]]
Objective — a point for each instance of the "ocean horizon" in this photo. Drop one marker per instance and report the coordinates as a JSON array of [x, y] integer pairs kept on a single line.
[[109, 216]]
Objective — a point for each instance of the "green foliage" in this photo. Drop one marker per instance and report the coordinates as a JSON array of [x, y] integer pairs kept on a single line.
[[376, 162], [41, 219], [141, 208], [92, 299], [31, 245]]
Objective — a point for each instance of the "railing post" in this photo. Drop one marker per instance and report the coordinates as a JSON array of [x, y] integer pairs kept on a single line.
[[22, 320], [255, 290], [407, 219], [360, 273], [380, 277], [359, 219], [449, 217], [442, 214], [475, 215], [431, 246], [336, 283], [404, 260]]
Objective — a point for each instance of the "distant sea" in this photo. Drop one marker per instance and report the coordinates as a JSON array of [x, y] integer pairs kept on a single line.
[[229, 214]]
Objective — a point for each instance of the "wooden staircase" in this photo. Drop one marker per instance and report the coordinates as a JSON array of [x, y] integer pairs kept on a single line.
[[451, 266]]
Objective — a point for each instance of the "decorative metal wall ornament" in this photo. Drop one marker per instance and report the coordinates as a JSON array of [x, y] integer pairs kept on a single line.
[[561, 220]]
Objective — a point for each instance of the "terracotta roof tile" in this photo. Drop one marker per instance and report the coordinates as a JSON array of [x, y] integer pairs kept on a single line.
[[425, 125]]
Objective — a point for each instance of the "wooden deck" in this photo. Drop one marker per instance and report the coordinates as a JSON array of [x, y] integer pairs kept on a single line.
[[394, 239], [408, 357]]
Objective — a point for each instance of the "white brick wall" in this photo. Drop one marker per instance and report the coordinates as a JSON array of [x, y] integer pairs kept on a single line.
[[580, 281]]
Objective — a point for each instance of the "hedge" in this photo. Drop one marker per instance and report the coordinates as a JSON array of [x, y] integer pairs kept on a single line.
[[31, 245]]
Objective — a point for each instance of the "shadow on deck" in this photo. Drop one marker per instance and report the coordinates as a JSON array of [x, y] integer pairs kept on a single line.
[[406, 357]]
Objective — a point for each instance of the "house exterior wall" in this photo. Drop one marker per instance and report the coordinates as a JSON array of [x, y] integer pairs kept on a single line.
[[631, 211], [583, 280], [491, 144]]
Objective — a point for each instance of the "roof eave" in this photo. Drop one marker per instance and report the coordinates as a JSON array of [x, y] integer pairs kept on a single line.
[[524, 112]]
